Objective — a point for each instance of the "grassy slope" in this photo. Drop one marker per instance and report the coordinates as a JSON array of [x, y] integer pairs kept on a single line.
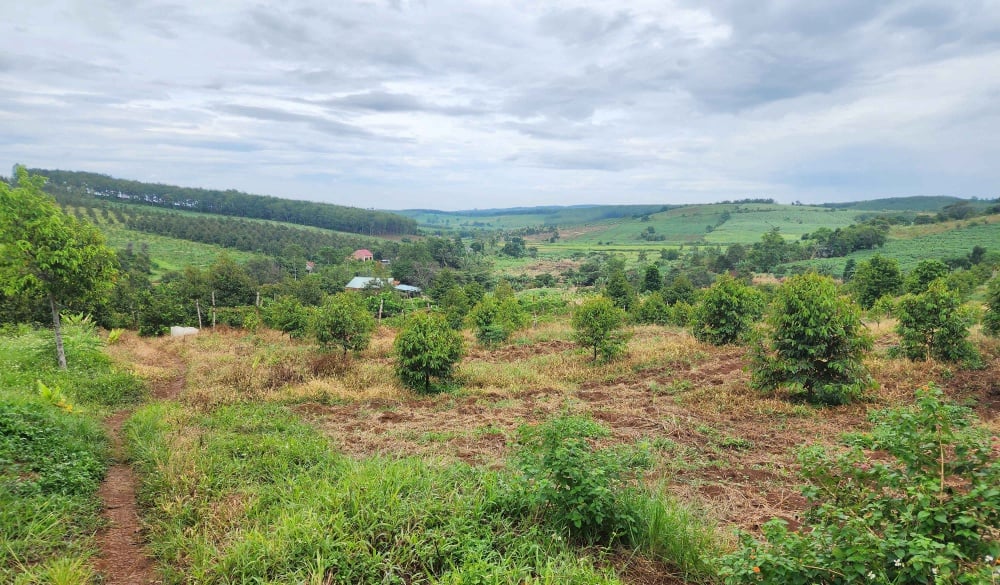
[[53, 455]]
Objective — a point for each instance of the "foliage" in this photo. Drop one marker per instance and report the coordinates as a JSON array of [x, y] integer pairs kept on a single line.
[[426, 350], [455, 304], [991, 320], [49, 253], [726, 312], [815, 343], [926, 272], [287, 315], [620, 291], [874, 278], [597, 324], [926, 514], [494, 320], [652, 281], [343, 320], [934, 324], [653, 310], [580, 489]]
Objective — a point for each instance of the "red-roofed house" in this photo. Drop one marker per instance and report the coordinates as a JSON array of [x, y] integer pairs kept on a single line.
[[363, 255]]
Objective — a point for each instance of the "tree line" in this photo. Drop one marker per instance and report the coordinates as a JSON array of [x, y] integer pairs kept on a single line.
[[229, 202]]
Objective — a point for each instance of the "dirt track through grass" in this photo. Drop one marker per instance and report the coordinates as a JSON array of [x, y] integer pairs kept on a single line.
[[123, 559]]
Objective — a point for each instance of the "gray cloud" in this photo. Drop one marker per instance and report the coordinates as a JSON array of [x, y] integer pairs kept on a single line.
[[416, 103]]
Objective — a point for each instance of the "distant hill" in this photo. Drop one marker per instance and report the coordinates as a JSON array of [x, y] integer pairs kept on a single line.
[[230, 202], [520, 217], [923, 203]]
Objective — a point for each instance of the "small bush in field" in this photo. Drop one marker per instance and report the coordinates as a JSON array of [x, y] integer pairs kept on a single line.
[[926, 514], [934, 324], [287, 315], [814, 344], [580, 489], [344, 321], [427, 350], [597, 324], [875, 278], [653, 310], [495, 319], [726, 312]]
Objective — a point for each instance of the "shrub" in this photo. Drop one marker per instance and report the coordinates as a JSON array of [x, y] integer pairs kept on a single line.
[[426, 350], [991, 320], [934, 324], [726, 312], [926, 272], [578, 488], [495, 319], [287, 315], [874, 278], [620, 291], [653, 310], [928, 513], [343, 320], [597, 324], [815, 343]]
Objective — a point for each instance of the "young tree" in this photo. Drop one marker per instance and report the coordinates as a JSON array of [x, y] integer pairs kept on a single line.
[[815, 343], [726, 312], [495, 320], [455, 305], [620, 291], [597, 324], [426, 349], [287, 314], [343, 320], [653, 310], [48, 253], [875, 278], [652, 281], [991, 320], [926, 272], [933, 323]]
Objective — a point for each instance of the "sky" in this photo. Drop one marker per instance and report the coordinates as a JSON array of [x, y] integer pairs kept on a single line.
[[463, 104]]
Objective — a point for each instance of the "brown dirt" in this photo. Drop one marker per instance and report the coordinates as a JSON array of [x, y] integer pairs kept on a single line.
[[123, 559]]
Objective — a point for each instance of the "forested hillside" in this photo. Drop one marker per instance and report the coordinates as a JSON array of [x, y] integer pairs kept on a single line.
[[229, 202]]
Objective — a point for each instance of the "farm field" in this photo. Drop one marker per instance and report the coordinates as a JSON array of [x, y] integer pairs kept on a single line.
[[247, 471]]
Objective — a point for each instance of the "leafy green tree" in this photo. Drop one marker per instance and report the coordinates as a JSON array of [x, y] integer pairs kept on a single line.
[[934, 324], [926, 272], [426, 349], [620, 291], [815, 343], [495, 320], [653, 310], [597, 324], [232, 285], [47, 253], [849, 268], [727, 311], [343, 320], [455, 304], [874, 278], [991, 320], [652, 280], [680, 290], [287, 314]]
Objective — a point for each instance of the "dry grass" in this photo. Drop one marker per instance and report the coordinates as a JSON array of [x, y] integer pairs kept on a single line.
[[719, 443]]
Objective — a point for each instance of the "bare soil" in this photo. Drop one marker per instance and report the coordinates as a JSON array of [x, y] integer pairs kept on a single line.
[[123, 559]]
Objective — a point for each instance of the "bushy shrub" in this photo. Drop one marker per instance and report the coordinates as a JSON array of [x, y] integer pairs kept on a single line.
[[926, 514], [597, 324], [814, 344], [875, 278], [495, 319], [926, 272], [344, 321], [427, 350], [934, 324], [287, 315], [653, 310], [726, 312], [579, 489]]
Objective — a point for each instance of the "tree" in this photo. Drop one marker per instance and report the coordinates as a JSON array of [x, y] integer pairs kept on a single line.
[[727, 311], [46, 252], [343, 320], [653, 310], [652, 280], [455, 304], [620, 290], [597, 324], [926, 272], [495, 320], [815, 343], [874, 278], [934, 324], [426, 349], [287, 314]]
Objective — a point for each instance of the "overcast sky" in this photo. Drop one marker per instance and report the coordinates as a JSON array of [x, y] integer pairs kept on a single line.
[[458, 104]]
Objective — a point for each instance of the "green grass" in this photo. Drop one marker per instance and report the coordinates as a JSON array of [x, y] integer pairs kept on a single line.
[[53, 453]]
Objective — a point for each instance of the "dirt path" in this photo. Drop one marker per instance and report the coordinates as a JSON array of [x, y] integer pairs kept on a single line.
[[123, 559]]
